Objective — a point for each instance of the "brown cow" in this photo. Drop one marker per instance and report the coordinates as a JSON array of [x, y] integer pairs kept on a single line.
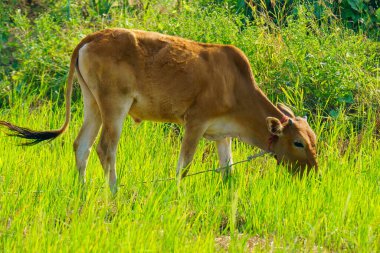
[[207, 88]]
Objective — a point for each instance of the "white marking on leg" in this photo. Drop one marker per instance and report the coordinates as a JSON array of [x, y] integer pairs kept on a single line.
[[89, 130], [225, 154]]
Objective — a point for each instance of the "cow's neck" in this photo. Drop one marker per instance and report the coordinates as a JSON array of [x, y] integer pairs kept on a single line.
[[258, 109]]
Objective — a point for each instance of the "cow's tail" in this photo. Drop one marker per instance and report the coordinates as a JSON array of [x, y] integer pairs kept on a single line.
[[35, 137]]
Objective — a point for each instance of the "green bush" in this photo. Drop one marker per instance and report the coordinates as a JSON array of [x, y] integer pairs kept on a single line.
[[356, 14]]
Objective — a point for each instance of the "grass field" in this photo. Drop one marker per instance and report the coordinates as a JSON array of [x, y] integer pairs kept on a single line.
[[331, 74], [262, 207]]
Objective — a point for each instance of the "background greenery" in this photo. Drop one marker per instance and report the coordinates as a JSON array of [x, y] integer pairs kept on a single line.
[[320, 57], [298, 51]]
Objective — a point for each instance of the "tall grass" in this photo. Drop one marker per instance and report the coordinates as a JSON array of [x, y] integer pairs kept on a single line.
[[43, 208]]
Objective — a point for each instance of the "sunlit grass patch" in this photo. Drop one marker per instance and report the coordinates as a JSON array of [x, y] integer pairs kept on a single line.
[[262, 207]]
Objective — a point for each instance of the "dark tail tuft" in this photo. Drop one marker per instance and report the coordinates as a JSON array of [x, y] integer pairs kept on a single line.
[[34, 137]]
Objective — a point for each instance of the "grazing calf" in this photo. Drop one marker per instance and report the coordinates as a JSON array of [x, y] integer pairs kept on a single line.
[[207, 88]]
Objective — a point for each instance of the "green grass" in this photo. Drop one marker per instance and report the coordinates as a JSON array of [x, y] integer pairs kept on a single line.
[[43, 208], [317, 66]]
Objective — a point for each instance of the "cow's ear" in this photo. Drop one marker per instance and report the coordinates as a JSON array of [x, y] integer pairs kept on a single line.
[[274, 126], [286, 110]]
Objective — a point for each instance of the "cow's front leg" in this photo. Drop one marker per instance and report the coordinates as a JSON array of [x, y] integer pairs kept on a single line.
[[193, 133], [225, 156]]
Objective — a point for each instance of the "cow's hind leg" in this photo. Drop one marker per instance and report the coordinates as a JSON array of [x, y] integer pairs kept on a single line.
[[225, 155], [88, 131], [113, 116]]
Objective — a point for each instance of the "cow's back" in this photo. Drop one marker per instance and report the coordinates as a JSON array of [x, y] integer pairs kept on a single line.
[[165, 75]]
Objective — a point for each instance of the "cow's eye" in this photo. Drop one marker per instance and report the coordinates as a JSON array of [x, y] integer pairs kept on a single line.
[[298, 144]]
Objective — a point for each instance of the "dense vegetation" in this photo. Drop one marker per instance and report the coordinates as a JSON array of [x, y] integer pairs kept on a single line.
[[312, 59], [320, 57]]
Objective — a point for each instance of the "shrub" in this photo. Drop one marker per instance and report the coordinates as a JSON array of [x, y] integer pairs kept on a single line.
[[356, 14]]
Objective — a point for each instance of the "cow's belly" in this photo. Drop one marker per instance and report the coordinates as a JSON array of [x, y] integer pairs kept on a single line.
[[150, 109], [221, 128]]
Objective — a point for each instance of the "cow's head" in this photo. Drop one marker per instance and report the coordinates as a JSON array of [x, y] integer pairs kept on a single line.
[[293, 142]]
